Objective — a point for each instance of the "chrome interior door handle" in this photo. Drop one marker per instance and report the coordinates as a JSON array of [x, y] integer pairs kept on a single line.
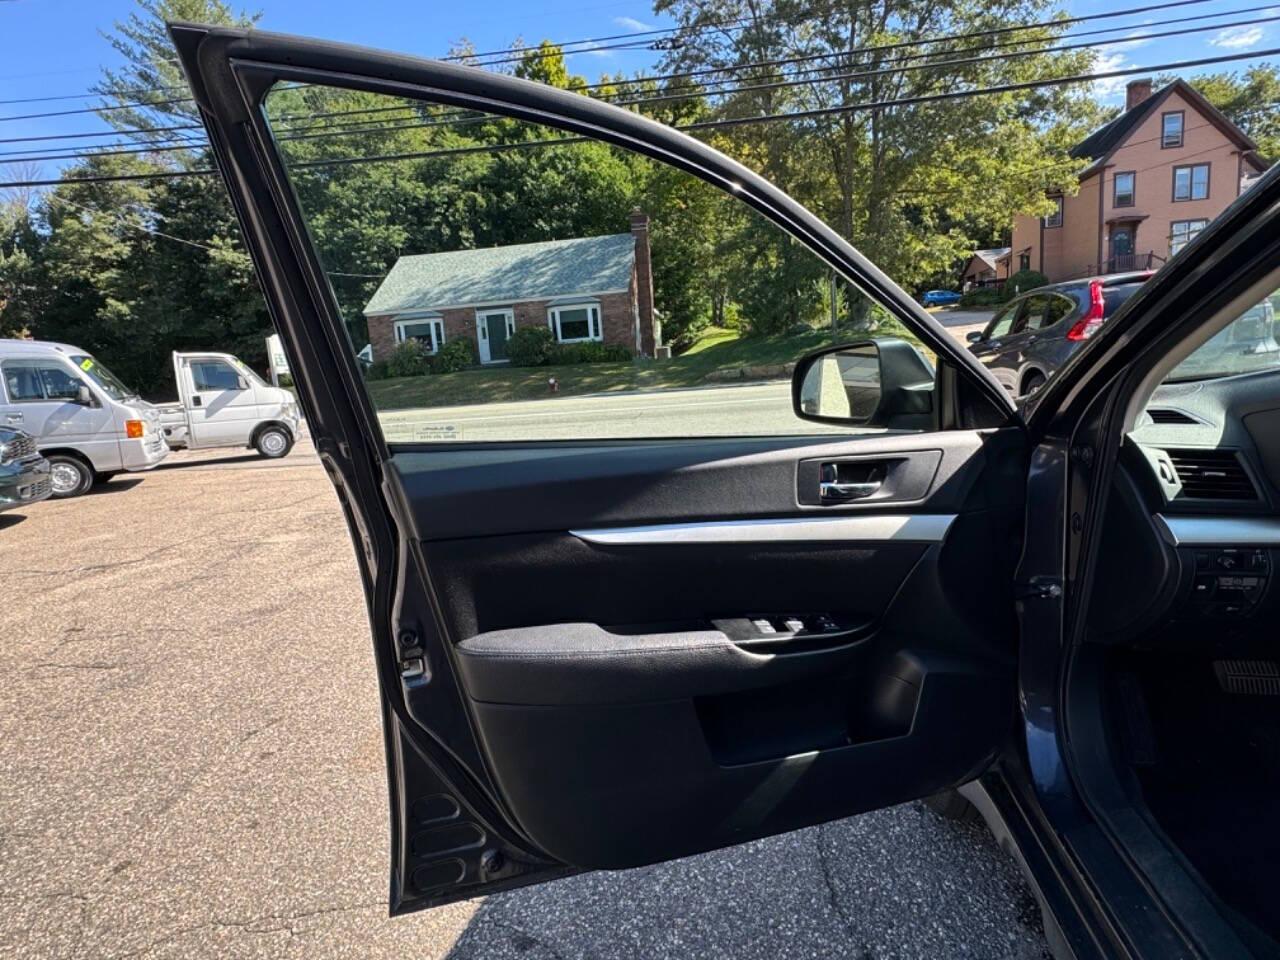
[[832, 490]]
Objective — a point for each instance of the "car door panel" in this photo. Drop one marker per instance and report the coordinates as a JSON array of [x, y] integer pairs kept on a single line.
[[558, 628], [624, 724]]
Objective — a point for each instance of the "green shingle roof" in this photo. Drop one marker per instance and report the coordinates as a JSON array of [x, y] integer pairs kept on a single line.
[[524, 271]]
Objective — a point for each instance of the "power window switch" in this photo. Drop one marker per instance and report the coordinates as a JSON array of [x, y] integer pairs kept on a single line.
[[764, 626], [794, 625]]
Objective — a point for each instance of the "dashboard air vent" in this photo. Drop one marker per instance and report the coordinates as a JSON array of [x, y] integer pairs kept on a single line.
[[1169, 415], [1212, 475]]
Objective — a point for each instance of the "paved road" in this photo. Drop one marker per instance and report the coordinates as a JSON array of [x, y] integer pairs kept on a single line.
[[191, 766]]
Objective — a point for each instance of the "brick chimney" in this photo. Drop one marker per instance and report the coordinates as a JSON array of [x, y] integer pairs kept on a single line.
[[1136, 91], [644, 280]]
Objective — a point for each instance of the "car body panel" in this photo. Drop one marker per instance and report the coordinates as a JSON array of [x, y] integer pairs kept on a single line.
[[24, 474]]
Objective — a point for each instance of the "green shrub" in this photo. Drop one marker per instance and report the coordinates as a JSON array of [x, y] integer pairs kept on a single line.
[[409, 359], [590, 352], [980, 297], [376, 370], [799, 329], [529, 346], [1021, 282], [454, 355]]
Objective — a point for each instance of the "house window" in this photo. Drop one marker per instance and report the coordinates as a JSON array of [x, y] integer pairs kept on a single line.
[[1171, 129], [1024, 260], [576, 323], [426, 330], [1123, 196], [1191, 183], [1055, 219], [1183, 232]]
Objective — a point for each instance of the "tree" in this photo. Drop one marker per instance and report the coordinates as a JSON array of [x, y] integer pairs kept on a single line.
[[1250, 99], [911, 186]]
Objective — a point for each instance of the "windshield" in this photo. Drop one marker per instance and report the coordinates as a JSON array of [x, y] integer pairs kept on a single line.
[[1245, 345], [103, 377], [247, 371]]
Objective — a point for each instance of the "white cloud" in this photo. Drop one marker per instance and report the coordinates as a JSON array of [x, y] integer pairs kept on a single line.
[[631, 23], [1237, 38], [1110, 87], [1130, 41]]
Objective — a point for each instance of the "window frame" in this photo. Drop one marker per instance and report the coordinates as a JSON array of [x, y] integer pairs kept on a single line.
[[215, 361], [1182, 129], [595, 321], [1049, 221], [1189, 233], [37, 364], [1191, 168], [1133, 188], [434, 322]]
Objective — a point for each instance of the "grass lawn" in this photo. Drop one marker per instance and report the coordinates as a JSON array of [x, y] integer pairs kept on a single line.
[[716, 350]]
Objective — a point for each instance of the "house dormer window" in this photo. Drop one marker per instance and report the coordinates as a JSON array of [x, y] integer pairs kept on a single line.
[[1123, 195], [1055, 219], [1171, 128]]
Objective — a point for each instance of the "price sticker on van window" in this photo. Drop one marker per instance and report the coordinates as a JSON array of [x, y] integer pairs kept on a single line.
[[86, 364]]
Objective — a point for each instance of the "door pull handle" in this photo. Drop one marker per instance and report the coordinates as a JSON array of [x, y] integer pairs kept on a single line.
[[832, 490]]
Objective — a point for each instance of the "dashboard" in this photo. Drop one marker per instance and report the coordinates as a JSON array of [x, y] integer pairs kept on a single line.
[[1192, 534]]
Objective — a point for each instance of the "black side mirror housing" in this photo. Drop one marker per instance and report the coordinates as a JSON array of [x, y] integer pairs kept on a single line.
[[973, 336], [883, 382]]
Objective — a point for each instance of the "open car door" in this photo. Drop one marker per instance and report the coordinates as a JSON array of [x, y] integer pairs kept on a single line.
[[618, 627]]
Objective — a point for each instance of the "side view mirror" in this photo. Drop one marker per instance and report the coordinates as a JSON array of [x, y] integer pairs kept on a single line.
[[973, 336], [84, 396], [241, 383], [884, 382]]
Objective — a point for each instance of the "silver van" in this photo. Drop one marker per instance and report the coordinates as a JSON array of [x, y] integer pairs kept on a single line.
[[88, 424]]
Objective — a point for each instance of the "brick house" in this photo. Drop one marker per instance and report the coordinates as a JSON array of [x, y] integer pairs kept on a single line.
[[584, 289], [1159, 172], [985, 268]]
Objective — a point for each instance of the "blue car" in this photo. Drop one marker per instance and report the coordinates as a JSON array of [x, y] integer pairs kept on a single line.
[[938, 298]]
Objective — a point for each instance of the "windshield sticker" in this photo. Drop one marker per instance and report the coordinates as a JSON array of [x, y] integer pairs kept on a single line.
[[86, 364]]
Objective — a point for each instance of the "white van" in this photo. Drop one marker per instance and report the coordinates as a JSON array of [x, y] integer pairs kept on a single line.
[[222, 403], [88, 424]]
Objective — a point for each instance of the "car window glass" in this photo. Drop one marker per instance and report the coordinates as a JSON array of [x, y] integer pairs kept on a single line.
[[214, 375], [58, 383], [1245, 345], [1113, 297], [22, 382], [1002, 322], [513, 283], [1035, 315]]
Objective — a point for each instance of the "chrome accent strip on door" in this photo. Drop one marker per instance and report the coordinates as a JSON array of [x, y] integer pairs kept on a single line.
[[900, 528], [1220, 531]]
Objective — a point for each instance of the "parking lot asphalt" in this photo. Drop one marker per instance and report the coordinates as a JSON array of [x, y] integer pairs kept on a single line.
[[191, 765]]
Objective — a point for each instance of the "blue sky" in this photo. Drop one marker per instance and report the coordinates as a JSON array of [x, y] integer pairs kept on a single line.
[[54, 47]]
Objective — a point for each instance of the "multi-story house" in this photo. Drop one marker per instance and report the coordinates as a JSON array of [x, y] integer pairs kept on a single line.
[[1158, 173]]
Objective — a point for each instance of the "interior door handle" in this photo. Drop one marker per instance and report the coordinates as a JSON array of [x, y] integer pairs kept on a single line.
[[832, 490]]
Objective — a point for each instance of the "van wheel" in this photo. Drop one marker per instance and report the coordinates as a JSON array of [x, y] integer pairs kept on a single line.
[[273, 442], [71, 476]]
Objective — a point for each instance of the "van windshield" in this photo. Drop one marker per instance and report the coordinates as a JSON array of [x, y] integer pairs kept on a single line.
[[104, 378]]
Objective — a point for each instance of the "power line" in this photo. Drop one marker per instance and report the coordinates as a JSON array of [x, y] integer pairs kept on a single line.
[[708, 124], [535, 52]]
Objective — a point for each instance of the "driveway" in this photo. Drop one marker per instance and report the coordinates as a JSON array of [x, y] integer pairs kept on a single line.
[[191, 765]]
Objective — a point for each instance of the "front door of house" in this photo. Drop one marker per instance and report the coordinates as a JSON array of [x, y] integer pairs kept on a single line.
[[1122, 245], [492, 329]]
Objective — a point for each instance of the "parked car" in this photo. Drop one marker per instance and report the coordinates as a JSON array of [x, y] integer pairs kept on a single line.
[[938, 298], [24, 474], [222, 403], [1247, 344], [87, 423], [603, 652], [1032, 335]]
